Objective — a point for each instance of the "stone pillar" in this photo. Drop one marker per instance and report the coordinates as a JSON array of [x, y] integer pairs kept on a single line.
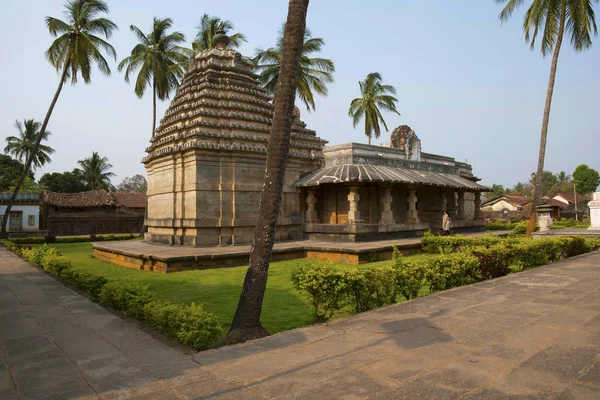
[[387, 215], [311, 200], [477, 202], [353, 198], [443, 201], [460, 206], [543, 217], [412, 215]]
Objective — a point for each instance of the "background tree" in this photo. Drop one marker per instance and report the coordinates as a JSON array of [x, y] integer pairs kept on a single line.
[[29, 186], [95, 172], [549, 183], [10, 171], [497, 190], [550, 19], [588, 179], [246, 322], [77, 47], [374, 95], [22, 146], [314, 72], [519, 189], [63, 182], [209, 26], [135, 184], [160, 61]]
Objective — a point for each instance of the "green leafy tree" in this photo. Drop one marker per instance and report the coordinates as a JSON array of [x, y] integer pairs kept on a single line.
[[497, 190], [77, 47], [314, 74], [208, 27], [246, 321], [160, 61], [10, 171], [549, 20], [21, 147], [95, 172], [135, 184], [63, 182], [587, 179], [520, 189], [29, 186], [374, 95], [549, 183]]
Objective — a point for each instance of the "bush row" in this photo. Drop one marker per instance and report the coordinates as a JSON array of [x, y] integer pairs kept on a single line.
[[463, 261], [74, 239], [187, 323], [332, 288]]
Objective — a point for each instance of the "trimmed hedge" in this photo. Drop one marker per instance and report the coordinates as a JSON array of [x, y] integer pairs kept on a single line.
[[187, 323], [75, 239]]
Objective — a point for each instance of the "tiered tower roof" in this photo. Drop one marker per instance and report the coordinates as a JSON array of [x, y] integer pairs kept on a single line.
[[220, 105]]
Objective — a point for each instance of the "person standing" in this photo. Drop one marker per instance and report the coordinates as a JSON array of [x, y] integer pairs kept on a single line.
[[446, 224]]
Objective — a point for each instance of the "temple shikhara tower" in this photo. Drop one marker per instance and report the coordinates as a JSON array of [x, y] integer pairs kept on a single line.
[[206, 161]]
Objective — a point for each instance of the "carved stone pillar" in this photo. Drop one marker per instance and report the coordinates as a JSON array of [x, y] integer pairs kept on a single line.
[[443, 201], [353, 198], [460, 206], [477, 202], [387, 215], [412, 215], [311, 201]]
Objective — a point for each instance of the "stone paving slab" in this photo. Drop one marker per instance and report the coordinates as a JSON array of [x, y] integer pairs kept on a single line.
[[533, 335]]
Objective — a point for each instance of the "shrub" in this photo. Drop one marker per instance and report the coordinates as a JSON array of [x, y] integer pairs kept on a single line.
[[127, 297], [449, 271], [410, 275], [18, 249], [494, 261], [326, 286], [50, 238], [87, 282], [35, 255], [370, 288], [521, 227], [451, 244], [569, 223], [188, 323], [31, 240]]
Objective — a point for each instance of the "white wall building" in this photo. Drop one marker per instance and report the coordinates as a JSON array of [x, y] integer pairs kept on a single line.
[[24, 214]]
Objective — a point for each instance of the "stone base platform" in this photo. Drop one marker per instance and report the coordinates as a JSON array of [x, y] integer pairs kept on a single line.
[[585, 232], [162, 258]]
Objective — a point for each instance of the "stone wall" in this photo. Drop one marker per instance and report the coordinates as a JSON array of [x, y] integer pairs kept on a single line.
[[93, 221]]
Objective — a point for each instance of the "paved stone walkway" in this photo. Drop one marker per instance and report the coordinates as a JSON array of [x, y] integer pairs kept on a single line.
[[533, 335]]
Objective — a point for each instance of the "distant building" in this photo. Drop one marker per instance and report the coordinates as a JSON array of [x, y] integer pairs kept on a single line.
[[24, 214], [512, 205], [95, 212], [567, 204]]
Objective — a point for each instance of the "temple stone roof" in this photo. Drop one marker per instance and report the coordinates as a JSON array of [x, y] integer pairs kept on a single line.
[[221, 106], [365, 173]]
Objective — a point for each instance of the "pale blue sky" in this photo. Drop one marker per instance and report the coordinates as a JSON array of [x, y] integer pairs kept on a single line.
[[469, 86]]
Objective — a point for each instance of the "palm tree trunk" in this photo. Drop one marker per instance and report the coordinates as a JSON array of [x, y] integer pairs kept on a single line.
[[154, 108], [36, 146], [542, 154], [246, 322]]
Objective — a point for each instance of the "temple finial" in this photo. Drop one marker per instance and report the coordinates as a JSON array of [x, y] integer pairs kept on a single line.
[[220, 40]]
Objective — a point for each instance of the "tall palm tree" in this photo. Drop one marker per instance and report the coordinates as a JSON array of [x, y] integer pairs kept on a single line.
[[159, 59], [78, 45], [209, 26], [246, 322], [314, 73], [550, 19], [95, 172], [374, 95], [21, 147]]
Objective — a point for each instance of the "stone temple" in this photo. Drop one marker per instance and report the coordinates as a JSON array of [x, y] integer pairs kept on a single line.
[[206, 164]]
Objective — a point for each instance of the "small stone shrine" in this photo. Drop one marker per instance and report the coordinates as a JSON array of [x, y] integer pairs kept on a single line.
[[206, 161]]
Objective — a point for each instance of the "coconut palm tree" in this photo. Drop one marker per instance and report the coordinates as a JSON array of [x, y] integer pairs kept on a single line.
[[246, 322], [209, 26], [374, 95], [95, 172], [314, 74], [21, 147], [77, 47], [550, 20], [160, 60]]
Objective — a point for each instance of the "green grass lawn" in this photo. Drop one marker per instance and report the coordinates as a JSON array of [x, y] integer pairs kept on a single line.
[[218, 290]]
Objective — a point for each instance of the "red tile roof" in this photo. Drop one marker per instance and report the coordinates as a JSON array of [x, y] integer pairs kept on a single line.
[[129, 200], [94, 198]]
